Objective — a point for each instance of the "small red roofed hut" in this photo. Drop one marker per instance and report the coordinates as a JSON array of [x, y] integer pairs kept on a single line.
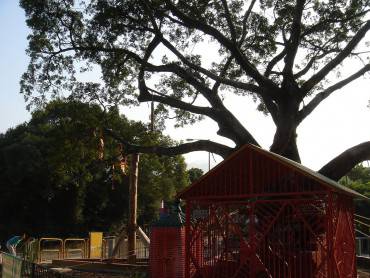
[[258, 214]]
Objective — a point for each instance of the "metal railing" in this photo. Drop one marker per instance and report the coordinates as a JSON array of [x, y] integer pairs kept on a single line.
[[363, 246], [55, 251], [75, 248], [142, 248], [48, 248], [15, 267]]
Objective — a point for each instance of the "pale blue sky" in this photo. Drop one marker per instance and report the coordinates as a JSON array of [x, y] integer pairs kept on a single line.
[[341, 121], [13, 62]]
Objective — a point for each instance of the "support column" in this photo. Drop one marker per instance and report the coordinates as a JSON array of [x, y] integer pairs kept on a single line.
[[134, 171]]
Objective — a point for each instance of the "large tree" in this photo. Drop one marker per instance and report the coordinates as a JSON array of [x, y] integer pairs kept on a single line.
[[279, 53]]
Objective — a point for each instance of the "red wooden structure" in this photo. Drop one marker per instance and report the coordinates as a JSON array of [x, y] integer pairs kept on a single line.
[[258, 214], [167, 246]]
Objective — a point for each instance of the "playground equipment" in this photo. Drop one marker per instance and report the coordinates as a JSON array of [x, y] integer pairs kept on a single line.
[[258, 214]]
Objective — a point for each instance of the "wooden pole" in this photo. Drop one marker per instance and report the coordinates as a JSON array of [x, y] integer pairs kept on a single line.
[[134, 171]]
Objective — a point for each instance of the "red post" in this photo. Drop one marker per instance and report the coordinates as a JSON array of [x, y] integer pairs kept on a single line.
[[187, 240], [329, 235]]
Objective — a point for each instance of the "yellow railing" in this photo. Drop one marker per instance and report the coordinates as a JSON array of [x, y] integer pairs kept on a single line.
[[61, 248], [82, 250]]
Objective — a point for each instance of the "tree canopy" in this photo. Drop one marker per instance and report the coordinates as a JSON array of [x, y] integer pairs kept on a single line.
[[55, 180], [281, 54]]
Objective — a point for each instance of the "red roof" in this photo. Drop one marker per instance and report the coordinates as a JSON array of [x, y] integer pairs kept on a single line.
[[252, 171]]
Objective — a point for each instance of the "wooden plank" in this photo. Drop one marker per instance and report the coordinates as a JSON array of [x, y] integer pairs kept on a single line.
[[134, 171]]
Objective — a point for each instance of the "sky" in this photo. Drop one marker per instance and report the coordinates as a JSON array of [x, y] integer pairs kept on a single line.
[[341, 121]]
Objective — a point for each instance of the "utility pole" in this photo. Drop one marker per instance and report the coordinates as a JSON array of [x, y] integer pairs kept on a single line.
[[209, 161], [132, 225]]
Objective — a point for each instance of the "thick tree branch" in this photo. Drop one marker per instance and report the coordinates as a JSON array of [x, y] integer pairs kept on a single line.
[[201, 145], [293, 43], [324, 23], [190, 79], [343, 163], [250, 70], [217, 84], [245, 21], [229, 20], [311, 62], [144, 94], [230, 127], [215, 77], [172, 67], [324, 94], [274, 61], [316, 78]]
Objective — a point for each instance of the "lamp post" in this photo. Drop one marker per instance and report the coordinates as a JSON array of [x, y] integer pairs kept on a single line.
[[209, 154]]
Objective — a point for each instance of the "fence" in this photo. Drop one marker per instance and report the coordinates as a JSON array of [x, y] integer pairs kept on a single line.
[[15, 267], [363, 246], [50, 248], [75, 248], [142, 248], [44, 250]]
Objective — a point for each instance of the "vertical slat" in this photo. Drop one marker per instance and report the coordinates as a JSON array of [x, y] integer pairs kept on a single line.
[[187, 239]]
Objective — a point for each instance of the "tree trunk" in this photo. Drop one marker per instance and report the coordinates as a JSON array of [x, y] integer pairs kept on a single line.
[[285, 139]]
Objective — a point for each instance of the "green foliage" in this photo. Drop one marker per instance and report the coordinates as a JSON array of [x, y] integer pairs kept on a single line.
[[53, 182], [358, 179], [195, 174]]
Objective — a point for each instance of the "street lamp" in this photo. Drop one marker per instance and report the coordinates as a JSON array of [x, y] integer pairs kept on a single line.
[[209, 154]]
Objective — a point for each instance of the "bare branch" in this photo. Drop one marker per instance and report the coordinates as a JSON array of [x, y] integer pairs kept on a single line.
[[327, 92], [343, 163], [316, 78]]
